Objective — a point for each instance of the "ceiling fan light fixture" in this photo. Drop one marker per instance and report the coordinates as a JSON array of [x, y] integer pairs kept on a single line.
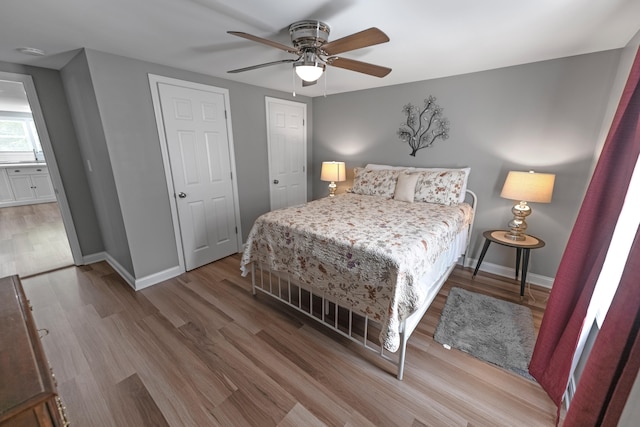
[[309, 72], [310, 67]]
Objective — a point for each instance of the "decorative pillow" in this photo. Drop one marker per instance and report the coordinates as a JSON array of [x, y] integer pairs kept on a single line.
[[371, 182], [466, 171], [406, 187], [443, 187], [410, 169]]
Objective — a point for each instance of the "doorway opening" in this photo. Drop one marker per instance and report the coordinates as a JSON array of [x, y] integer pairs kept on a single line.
[[34, 219]]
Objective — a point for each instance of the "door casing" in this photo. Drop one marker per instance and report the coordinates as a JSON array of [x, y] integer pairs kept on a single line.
[[50, 158]]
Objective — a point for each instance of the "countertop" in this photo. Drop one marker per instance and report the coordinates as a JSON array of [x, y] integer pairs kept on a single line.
[[21, 165]]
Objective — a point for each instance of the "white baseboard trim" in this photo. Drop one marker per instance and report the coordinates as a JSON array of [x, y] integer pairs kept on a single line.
[[158, 277], [131, 281], [534, 279], [93, 258], [104, 256], [136, 284]]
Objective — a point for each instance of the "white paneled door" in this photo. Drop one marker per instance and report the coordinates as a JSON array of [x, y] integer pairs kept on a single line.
[[287, 138], [200, 158]]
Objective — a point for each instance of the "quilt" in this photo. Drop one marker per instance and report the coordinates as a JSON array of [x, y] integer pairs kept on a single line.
[[364, 252]]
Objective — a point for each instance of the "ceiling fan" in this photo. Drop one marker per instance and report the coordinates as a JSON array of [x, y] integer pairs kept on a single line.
[[315, 52]]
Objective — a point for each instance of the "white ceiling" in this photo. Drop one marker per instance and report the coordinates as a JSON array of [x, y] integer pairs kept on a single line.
[[429, 39]]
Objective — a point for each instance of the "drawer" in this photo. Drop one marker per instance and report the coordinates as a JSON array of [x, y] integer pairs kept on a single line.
[[27, 170]]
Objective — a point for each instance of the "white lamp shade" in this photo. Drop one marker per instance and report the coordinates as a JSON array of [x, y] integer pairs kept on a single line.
[[528, 186], [309, 73], [333, 171]]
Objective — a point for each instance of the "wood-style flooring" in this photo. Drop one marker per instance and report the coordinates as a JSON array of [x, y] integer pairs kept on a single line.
[[200, 350], [32, 240]]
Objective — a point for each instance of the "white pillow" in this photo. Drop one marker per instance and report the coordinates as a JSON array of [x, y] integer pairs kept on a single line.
[[406, 187]]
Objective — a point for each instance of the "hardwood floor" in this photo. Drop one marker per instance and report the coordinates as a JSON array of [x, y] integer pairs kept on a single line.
[[200, 350], [32, 240]]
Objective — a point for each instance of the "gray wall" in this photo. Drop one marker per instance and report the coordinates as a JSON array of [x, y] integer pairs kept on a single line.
[[544, 116], [65, 147], [93, 149], [130, 141]]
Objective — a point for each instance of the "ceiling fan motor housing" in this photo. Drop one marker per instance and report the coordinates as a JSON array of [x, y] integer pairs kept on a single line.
[[309, 34]]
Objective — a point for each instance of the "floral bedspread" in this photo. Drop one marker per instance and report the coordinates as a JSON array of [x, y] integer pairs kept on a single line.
[[366, 252]]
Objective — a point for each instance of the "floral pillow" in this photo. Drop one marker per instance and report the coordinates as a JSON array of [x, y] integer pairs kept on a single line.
[[443, 187], [372, 182]]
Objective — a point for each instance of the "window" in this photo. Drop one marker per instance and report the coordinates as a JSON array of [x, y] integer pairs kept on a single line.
[[621, 242], [19, 140]]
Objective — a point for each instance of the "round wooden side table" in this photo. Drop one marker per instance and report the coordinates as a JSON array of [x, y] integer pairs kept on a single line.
[[523, 249]]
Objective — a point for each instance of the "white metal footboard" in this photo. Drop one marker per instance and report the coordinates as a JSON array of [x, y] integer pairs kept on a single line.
[[337, 317], [320, 308], [343, 320]]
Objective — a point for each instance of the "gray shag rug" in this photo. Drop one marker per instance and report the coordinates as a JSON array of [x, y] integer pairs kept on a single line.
[[489, 329]]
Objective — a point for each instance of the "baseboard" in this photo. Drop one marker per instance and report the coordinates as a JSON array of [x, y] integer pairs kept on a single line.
[[126, 276], [500, 270], [104, 256], [136, 284], [93, 258], [158, 277]]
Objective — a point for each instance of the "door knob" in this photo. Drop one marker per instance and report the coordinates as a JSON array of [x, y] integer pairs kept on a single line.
[[182, 195], [275, 181]]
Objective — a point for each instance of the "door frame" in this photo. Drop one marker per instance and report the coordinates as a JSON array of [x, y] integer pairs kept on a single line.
[[267, 100], [154, 79], [50, 159]]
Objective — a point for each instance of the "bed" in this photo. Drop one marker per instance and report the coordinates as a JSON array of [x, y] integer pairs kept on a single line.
[[367, 263]]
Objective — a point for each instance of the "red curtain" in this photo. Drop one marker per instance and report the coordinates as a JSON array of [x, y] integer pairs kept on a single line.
[[588, 244], [613, 364]]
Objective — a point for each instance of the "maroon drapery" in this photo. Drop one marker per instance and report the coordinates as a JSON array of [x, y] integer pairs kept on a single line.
[[588, 244], [613, 364]]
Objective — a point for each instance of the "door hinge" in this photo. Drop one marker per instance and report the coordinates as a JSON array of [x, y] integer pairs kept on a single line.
[[231, 173], [236, 230], [225, 114]]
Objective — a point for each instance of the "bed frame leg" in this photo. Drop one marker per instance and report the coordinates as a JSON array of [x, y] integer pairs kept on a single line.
[[253, 279], [402, 354]]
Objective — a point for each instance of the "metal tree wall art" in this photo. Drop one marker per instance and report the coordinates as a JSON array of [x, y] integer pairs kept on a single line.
[[423, 126]]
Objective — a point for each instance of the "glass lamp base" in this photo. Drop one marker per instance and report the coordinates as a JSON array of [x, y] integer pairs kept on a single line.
[[332, 189]]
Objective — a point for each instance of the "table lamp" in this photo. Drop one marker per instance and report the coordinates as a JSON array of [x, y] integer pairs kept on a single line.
[[334, 172], [525, 187]]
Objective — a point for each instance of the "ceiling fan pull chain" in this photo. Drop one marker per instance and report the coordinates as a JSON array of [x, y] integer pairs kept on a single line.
[[325, 83], [293, 80]]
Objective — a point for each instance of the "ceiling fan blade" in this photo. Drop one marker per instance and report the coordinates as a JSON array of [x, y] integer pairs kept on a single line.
[[360, 67], [364, 38], [271, 43], [266, 64]]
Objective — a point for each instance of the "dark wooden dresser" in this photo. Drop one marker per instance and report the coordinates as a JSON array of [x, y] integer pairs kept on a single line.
[[28, 394]]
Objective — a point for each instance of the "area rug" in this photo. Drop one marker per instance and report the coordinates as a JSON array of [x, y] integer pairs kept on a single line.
[[489, 329]]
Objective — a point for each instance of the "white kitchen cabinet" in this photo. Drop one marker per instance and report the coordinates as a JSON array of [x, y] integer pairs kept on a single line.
[[42, 186], [6, 193], [28, 185]]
